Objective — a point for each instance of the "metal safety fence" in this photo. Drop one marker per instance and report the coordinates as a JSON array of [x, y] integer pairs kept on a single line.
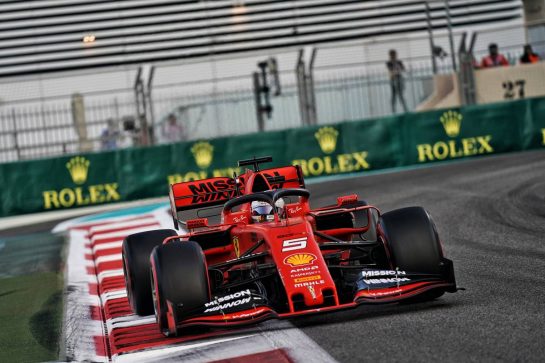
[[39, 129]]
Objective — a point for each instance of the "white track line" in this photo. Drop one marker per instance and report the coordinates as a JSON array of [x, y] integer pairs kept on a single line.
[[110, 273], [105, 246], [108, 258], [120, 234], [112, 295], [79, 328], [135, 321], [115, 225], [167, 353]]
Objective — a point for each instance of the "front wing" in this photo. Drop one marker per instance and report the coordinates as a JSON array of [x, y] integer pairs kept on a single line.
[[246, 307]]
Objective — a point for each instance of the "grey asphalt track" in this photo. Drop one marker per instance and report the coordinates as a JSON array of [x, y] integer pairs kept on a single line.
[[490, 214]]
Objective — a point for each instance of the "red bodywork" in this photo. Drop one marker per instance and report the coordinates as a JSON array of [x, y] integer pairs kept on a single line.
[[291, 243]]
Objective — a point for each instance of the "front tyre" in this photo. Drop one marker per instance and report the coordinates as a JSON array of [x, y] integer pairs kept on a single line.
[[413, 244], [136, 251], [179, 283]]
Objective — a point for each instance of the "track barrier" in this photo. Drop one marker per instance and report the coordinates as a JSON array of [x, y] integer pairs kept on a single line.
[[348, 147]]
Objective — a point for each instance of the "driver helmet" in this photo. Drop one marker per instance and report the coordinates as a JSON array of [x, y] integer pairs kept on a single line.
[[262, 211], [280, 207]]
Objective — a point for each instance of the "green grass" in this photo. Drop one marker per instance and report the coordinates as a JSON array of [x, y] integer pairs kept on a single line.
[[30, 316], [30, 253], [31, 297]]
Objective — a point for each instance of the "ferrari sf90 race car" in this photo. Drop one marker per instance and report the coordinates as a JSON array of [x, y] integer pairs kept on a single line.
[[251, 248]]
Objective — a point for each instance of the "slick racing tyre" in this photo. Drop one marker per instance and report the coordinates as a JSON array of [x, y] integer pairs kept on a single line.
[[413, 243], [136, 253], [179, 283]]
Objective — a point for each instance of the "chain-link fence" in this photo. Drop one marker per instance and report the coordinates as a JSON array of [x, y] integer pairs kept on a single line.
[[41, 129], [35, 130]]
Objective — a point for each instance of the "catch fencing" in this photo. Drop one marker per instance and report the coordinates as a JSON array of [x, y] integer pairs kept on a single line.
[[39, 129]]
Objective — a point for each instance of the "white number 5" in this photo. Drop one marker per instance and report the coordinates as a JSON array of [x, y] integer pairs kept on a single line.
[[294, 244]]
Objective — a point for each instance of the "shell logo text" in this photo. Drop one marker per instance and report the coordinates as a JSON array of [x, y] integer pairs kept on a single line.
[[299, 259]]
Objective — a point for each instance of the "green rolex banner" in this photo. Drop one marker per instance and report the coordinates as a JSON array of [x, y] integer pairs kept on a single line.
[[457, 133], [533, 132], [348, 147], [345, 148]]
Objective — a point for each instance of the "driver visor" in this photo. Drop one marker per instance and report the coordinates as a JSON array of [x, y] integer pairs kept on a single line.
[[262, 210]]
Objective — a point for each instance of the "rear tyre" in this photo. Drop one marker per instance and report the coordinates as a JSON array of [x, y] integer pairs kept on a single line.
[[179, 283], [136, 251], [413, 244]]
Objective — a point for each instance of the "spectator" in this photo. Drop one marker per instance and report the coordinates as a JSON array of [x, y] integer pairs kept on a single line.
[[173, 131], [494, 58], [109, 136], [129, 133], [529, 56], [439, 52], [396, 69]]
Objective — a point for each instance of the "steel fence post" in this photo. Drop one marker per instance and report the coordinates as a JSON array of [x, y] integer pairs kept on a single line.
[[15, 141]]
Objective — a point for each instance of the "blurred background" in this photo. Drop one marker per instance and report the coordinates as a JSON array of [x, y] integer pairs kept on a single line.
[[79, 76]]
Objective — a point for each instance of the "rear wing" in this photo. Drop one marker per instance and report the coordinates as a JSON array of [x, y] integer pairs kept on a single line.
[[285, 177], [216, 191], [202, 193]]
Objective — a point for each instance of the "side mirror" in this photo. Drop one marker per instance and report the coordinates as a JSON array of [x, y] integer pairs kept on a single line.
[[347, 199]]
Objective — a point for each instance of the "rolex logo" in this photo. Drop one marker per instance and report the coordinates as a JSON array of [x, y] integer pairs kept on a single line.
[[327, 138], [78, 167], [203, 153], [452, 121]]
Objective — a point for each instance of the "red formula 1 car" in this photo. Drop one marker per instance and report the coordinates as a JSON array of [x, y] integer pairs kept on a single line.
[[269, 255]]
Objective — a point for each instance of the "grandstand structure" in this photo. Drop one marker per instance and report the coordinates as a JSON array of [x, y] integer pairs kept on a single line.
[[38, 37], [205, 51]]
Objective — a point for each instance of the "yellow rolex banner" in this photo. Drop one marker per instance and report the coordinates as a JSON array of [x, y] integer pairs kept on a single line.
[[348, 147]]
